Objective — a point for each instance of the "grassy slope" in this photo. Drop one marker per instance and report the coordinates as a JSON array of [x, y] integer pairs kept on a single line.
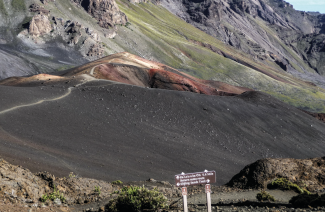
[[171, 45]]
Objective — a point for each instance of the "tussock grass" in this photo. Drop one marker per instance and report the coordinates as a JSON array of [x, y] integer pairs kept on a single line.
[[264, 196]]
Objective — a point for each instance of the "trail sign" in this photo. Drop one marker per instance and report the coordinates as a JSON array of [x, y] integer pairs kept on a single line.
[[196, 178]]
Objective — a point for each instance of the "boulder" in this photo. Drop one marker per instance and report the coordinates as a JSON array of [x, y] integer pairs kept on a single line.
[[309, 172]]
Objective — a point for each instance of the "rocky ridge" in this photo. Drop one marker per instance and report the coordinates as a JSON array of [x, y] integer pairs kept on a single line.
[[44, 27], [41, 29]]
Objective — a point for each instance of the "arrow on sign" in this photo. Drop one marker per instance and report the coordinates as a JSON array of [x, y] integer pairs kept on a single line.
[[177, 177], [177, 184], [208, 180]]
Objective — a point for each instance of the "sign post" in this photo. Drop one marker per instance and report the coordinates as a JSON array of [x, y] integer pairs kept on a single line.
[[208, 192], [206, 177], [184, 193]]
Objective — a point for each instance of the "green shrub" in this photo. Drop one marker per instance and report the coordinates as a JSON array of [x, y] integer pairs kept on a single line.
[[264, 196], [134, 199], [97, 190], [117, 182], [52, 196], [71, 175], [305, 200], [18, 5], [285, 184]]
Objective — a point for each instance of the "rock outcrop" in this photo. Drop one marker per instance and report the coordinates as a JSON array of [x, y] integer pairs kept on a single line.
[[105, 11], [20, 185], [257, 175], [38, 9], [39, 25], [72, 32]]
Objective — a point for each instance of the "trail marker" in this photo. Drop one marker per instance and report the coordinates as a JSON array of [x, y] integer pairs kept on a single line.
[[196, 178]]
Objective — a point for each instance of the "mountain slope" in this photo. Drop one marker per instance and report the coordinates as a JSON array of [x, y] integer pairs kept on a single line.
[[266, 29], [108, 130], [210, 57], [153, 33]]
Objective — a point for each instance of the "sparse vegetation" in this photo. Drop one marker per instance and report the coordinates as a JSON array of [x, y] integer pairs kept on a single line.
[[18, 5], [52, 196], [133, 198], [304, 200], [97, 190], [285, 184], [71, 175], [264, 196], [117, 182]]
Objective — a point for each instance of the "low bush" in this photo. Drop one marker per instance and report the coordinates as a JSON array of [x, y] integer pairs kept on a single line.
[[134, 199], [305, 200], [264, 196], [52, 196], [285, 184], [97, 190], [117, 182]]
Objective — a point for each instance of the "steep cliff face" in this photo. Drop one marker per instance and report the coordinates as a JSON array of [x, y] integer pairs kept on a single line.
[[261, 28], [105, 11]]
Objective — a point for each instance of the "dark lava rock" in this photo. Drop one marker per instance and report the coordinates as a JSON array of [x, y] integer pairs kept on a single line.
[[259, 174]]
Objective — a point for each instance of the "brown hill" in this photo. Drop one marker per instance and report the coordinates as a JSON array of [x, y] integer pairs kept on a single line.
[[133, 70]]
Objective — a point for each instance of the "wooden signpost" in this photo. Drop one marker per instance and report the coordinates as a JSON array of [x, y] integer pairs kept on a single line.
[[196, 178], [208, 191], [184, 193]]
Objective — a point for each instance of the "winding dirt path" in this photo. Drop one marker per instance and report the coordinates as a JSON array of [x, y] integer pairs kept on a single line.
[[69, 90]]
